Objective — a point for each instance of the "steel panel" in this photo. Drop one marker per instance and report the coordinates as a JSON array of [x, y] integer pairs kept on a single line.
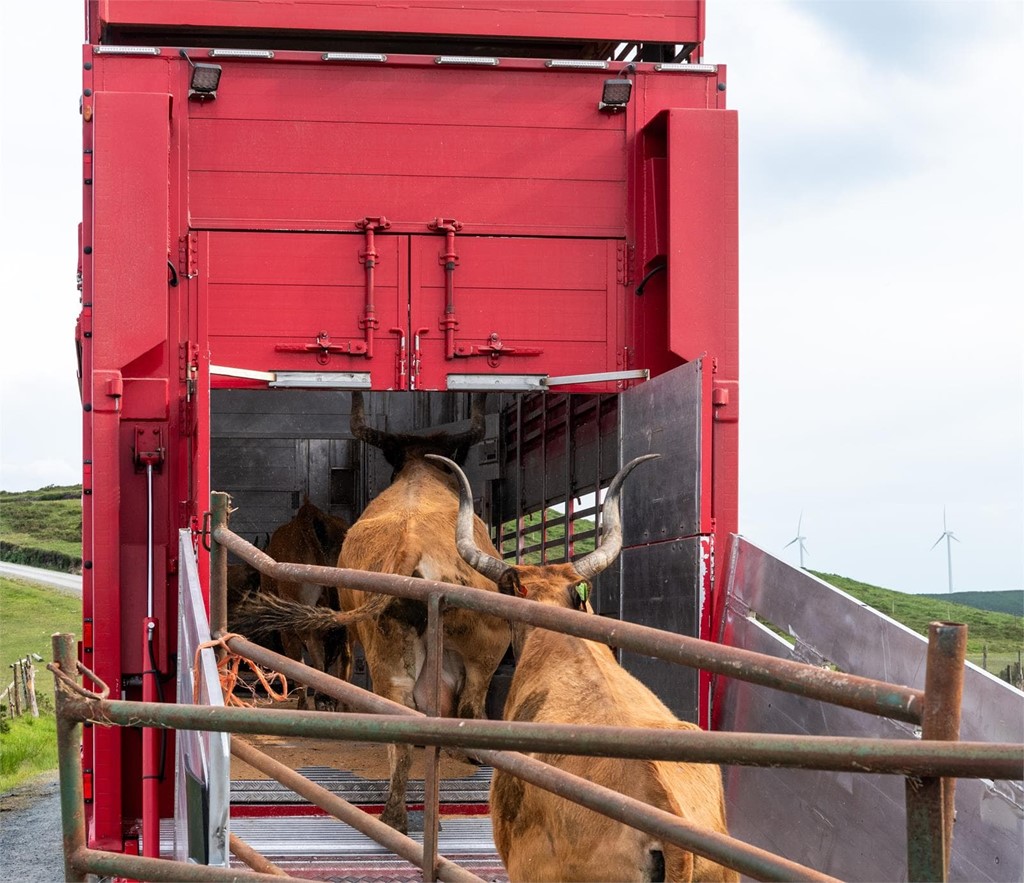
[[269, 449], [571, 279], [487, 161], [830, 627], [660, 588], [206, 755], [703, 208], [669, 21], [130, 226], [270, 295], [662, 499]]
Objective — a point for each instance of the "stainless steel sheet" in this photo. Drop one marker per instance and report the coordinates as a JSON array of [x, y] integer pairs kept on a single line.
[[852, 827]]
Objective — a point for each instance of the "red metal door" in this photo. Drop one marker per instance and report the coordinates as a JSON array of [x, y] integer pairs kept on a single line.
[[433, 306], [514, 305], [305, 302]]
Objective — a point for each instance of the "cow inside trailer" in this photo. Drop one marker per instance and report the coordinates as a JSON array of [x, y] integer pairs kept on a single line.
[[539, 472]]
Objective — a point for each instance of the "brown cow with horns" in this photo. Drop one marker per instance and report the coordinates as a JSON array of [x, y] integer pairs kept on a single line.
[[409, 529], [569, 680]]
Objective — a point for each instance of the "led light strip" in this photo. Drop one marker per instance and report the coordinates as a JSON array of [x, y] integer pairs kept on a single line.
[[353, 56], [125, 50], [688, 68], [241, 53], [579, 64], [466, 59]]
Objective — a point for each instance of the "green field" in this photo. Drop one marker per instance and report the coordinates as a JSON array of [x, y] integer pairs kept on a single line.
[[1000, 635], [29, 614], [42, 528]]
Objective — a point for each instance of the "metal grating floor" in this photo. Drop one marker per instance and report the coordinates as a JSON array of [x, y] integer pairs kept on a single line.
[[473, 789], [323, 848], [319, 847]]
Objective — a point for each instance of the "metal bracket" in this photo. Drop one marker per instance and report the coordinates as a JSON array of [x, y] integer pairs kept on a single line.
[[324, 348], [368, 257], [494, 349], [401, 378], [449, 260], [149, 448]]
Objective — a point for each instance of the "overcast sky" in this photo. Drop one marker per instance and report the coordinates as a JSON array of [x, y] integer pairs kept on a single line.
[[881, 284]]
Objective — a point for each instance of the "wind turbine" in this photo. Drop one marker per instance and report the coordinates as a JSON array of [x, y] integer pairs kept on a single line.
[[800, 539], [947, 535]]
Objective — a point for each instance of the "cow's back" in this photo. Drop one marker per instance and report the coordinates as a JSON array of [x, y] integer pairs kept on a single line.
[[409, 529], [562, 679]]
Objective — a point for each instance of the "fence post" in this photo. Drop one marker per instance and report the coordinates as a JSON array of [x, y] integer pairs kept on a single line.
[[69, 759], [220, 504], [930, 800], [16, 692], [30, 686]]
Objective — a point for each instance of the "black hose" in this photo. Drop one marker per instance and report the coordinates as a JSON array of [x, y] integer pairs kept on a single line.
[[647, 277]]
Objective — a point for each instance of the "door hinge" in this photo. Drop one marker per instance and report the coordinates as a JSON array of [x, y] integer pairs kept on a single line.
[[624, 263], [188, 247]]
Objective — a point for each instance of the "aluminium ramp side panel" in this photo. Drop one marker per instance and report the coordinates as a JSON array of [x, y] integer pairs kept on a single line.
[[202, 759], [852, 826], [662, 505]]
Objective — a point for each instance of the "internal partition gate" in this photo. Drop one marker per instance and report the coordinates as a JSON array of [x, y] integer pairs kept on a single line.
[[924, 763]]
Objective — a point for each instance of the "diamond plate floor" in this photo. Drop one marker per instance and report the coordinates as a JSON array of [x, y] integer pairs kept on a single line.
[[319, 847]]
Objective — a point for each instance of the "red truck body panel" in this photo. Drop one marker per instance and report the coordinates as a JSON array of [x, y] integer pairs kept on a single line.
[[226, 232]]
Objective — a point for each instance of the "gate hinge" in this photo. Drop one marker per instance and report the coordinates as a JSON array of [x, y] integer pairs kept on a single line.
[[624, 255], [188, 246], [188, 367]]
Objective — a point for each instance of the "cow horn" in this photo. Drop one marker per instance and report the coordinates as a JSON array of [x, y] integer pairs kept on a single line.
[[611, 526], [359, 428], [481, 562]]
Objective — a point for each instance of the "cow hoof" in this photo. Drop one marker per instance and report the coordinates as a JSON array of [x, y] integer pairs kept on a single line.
[[326, 703], [397, 819]]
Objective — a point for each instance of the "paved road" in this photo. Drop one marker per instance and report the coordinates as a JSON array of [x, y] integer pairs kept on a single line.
[[31, 848], [66, 582]]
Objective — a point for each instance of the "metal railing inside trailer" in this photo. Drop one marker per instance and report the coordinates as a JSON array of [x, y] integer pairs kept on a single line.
[[930, 765]]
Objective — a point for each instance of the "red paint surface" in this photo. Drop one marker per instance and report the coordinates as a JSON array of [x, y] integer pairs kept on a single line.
[[254, 197]]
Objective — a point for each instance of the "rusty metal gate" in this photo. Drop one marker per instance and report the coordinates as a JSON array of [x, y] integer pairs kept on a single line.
[[497, 742]]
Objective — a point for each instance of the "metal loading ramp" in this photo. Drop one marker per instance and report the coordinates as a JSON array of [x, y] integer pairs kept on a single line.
[[305, 842]]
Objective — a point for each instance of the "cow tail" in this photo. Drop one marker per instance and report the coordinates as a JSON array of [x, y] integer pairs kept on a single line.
[[374, 607], [260, 615]]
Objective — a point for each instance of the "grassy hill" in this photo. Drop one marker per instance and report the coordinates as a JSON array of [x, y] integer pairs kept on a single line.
[[42, 528], [1011, 601], [993, 637]]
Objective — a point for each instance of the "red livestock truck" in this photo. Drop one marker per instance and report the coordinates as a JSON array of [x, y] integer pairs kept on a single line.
[[286, 201]]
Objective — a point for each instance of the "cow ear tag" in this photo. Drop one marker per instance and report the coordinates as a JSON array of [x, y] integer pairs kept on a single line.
[[582, 589]]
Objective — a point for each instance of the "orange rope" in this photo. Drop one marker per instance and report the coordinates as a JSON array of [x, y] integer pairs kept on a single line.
[[227, 668]]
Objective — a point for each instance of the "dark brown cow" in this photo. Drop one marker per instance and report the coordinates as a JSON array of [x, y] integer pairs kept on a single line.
[[409, 529], [564, 679], [311, 537]]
